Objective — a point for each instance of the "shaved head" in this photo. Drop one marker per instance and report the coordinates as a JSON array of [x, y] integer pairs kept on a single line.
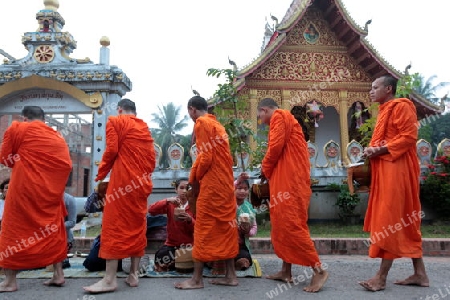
[[268, 102]]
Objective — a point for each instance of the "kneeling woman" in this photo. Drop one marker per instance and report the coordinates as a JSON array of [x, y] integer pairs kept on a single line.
[[180, 226], [246, 220]]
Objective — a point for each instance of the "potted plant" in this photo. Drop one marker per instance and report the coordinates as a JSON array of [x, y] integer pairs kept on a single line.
[[347, 203]]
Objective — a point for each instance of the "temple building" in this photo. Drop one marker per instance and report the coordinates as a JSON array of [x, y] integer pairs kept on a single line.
[[75, 93], [318, 64]]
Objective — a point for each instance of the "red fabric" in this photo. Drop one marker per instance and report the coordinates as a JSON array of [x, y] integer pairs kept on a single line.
[[33, 233], [214, 236], [178, 232], [394, 205], [286, 165], [131, 156]]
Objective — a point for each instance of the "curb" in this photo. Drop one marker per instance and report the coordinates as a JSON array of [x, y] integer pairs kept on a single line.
[[324, 246]]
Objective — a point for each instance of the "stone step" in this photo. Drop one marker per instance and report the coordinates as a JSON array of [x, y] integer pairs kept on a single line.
[[324, 246]]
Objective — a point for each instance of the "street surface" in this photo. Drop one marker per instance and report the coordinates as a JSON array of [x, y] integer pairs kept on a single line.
[[345, 272]]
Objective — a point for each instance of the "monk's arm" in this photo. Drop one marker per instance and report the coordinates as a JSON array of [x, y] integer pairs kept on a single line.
[[277, 140], [205, 157], [110, 154], [405, 119], [192, 177], [158, 208], [8, 155]]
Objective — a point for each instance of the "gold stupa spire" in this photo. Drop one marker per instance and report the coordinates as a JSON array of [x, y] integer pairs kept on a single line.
[[51, 5]]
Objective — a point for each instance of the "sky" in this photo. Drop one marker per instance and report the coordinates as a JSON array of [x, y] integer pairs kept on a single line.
[[166, 47]]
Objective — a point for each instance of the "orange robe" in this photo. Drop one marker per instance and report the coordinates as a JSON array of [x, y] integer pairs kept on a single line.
[[131, 157], [215, 237], [392, 216], [33, 233], [286, 165]]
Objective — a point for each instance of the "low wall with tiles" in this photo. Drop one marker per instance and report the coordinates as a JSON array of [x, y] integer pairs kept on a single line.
[[324, 246]]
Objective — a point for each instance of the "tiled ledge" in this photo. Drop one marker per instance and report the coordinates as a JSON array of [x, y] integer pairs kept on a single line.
[[324, 246]]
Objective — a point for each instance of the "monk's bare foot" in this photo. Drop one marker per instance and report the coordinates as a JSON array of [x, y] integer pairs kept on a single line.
[[317, 282], [225, 281], [189, 284], [416, 279], [6, 288], [374, 284], [58, 282], [132, 280], [281, 276], [101, 287]]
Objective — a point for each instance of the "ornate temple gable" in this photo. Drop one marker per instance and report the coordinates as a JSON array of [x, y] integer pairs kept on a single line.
[[317, 41], [314, 31]]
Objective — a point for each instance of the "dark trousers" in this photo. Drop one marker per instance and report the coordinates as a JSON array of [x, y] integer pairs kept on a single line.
[[166, 256], [244, 253]]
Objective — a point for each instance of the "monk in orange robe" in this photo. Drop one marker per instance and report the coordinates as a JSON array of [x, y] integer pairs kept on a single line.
[[394, 214], [33, 232], [214, 236], [286, 166], [130, 155]]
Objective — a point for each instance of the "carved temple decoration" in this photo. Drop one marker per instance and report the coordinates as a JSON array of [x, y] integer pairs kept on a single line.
[[274, 94], [313, 67]]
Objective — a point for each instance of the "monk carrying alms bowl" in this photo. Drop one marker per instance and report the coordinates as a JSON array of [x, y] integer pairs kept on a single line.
[[360, 173], [259, 194]]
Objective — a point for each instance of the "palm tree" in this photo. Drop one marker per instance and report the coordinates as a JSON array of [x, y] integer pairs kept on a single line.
[[169, 123], [428, 89]]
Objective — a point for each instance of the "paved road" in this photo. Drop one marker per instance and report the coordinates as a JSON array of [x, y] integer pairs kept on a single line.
[[345, 272]]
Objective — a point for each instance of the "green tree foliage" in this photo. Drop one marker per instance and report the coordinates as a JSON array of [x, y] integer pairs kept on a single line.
[[227, 105], [169, 123], [427, 88], [185, 142]]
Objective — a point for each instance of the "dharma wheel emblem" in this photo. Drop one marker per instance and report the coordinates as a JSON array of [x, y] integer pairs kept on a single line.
[[44, 54]]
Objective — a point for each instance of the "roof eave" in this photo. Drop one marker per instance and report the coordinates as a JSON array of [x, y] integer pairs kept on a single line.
[[349, 20], [257, 62]]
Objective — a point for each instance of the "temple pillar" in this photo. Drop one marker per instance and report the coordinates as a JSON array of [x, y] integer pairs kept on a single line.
[[253, 116], [343, 111], [286, 100]]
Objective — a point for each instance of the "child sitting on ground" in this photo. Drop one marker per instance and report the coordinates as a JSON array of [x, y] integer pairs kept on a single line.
[[180, 226]]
